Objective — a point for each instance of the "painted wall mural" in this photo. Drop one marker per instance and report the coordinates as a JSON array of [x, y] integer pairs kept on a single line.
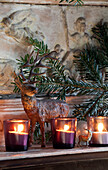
[[77, 41], [18, 26], [65, 29]]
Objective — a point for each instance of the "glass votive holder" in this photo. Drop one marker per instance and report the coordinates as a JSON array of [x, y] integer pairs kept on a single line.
[[16, 134], [63, 132], [99, 128]]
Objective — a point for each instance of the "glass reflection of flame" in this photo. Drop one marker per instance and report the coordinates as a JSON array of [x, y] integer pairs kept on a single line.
[[100, 127]]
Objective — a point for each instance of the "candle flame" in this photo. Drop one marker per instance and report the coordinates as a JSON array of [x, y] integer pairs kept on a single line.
[[66, 127], [100, 127], [15, 129], [19, 128]]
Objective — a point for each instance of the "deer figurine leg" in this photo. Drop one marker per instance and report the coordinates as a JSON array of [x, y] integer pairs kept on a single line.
[[79, 141], [42, 128], [33, 123]]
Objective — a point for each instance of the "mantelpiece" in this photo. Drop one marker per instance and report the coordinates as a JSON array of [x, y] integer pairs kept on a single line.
[[49, 158]]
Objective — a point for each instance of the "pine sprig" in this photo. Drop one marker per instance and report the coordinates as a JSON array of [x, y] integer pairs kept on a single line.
[[95, 106], [39, 46], [76, 2], [100, 33], [88, 64], [56, 84]]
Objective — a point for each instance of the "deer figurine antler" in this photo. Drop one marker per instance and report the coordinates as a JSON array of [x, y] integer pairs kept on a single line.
[[38, 110]]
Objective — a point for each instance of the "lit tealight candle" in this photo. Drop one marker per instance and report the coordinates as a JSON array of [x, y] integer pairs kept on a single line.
[[63, 131], [98, 126], [19, 129], [16, 134]]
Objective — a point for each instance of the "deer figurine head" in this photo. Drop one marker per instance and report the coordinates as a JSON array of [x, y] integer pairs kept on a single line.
[[38, 110]]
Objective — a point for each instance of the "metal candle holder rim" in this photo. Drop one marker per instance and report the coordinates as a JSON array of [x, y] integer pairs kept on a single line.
[[16, 120], [98, 117], [64, 118]]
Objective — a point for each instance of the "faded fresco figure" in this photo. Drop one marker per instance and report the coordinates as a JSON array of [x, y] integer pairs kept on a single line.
[[77, 41], [6, 69], [59, 51], [18, 25], [79, 38]]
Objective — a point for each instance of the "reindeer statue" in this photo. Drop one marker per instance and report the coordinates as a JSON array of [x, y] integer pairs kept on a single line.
[[85, 138], [38, 110]]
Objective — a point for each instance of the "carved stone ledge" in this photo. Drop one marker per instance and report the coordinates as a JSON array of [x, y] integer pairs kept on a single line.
[[52, 2], [49, 158]]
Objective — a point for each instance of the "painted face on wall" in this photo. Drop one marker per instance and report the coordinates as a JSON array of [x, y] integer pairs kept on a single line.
[[80, 24]]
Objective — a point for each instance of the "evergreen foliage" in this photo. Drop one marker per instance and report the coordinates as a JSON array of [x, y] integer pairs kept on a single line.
[[92, 65], [77, 2]]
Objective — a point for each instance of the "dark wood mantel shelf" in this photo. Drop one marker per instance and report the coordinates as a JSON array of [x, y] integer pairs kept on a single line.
[[56, 159]]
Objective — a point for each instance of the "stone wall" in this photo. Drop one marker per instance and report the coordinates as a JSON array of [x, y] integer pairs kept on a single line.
[[63, 27]]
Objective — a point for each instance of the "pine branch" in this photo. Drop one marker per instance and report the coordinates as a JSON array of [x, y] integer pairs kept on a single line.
[[39, 46], [92, 64], [92, 106], [58, 85], [100, 33], [76, 2], [88, 64]]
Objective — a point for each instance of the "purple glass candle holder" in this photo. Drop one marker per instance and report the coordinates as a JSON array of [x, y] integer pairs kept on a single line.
[[16, 134], [63, 132], [99, 128]]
